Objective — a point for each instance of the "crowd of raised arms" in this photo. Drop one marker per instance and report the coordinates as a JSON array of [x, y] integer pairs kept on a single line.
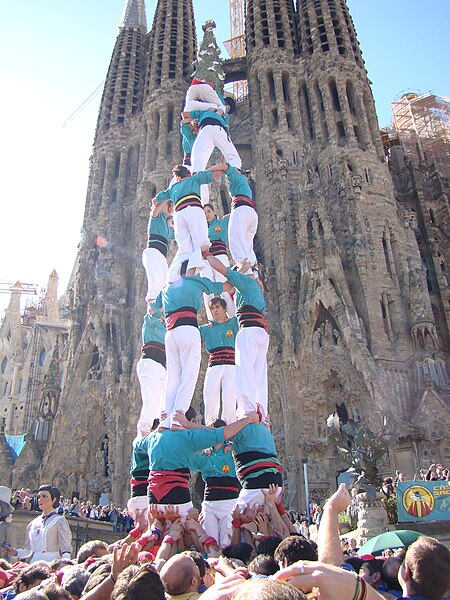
[[242, 544]]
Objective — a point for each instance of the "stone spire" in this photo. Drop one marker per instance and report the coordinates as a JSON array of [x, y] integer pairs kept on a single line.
[[50, 304], [121, 95], [134, 15], [326, 26], [270, 24], [172, 44]]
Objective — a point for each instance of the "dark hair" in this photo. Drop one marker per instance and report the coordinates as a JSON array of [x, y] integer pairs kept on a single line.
[[269, 545], [54, 493], [374, 566], [100, 573], [355, 562], [199, 561], [218, 300], [391, 567], [89, 549], [241, 551], [190, 414], [231, 103], [181, 171], [218, 423], [155, 424], [59, 563], [294, 548], [209, 206], [74, 580], [54, 591], [263, 564], [429, 563], [30, 575]]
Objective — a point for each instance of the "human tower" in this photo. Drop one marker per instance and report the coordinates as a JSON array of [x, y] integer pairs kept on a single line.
[[169, 446]]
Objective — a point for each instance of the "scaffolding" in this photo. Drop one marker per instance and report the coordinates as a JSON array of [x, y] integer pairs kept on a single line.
[[235, 46], [423, 125]]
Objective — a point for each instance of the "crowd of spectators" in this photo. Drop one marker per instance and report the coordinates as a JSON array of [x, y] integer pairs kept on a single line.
[[25, 499], [170, 558], [435, 472]]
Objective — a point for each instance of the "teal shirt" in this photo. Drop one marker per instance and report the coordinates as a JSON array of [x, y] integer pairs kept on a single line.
[[153, 329], [185, 187], [186, 291], [201, 115], [219, 464], [216, 334], [255, 437], [248, 291], [218, 229], [139, 459], [158, 226], [170, 450], [238, 183], [188, 138]]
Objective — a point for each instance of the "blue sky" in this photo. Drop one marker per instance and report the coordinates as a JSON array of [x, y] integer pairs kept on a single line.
[[56, 53]]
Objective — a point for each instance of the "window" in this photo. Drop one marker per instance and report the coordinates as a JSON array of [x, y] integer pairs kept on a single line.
[[42, 356], [4, 365]]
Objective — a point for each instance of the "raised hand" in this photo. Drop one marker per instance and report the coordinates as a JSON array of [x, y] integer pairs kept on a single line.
[[271, 493], [340, 500], [171, 512], [123, 557]]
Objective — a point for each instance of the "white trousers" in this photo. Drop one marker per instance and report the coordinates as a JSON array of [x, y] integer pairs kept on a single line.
[[191, 232], [137, 504], [252, 344], [183, 509], [183, 355], [208, 138], [253, 498], [217, 378], [217, 523], [214, 275], [199, 94], [241, 231], [152, 379], [156, 268]]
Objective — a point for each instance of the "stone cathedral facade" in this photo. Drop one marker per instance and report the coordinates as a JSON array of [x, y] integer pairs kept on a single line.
[[352, 243]]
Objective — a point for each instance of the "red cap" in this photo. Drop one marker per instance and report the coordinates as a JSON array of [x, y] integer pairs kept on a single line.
[[366, 556]]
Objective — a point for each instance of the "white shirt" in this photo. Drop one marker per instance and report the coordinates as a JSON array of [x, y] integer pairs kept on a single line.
[[47, 538]]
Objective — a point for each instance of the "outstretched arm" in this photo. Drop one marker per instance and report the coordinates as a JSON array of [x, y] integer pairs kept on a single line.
[[217, 265], [234, 428], [329, 543], [157, 208]]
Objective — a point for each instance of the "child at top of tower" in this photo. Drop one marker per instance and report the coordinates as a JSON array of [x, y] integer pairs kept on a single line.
[[201, 95]]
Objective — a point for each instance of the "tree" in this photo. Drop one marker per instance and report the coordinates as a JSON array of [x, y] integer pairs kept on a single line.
[[208, 65]]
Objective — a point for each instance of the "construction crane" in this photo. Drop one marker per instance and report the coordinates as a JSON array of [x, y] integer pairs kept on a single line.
[[10, 287], [235, 46], [83, 105]]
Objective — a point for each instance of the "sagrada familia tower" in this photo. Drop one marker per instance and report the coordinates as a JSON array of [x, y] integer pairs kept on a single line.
[[352, 243]]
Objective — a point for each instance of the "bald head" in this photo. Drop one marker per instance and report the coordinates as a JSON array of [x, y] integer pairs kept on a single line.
[[180, 575]]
